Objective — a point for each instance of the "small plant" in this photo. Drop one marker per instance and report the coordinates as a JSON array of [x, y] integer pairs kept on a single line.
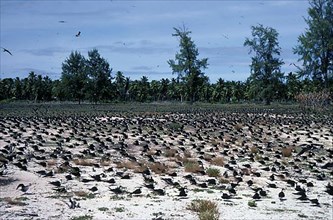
[[192, 167], [170, 152], [238, 127], [82, 217], [16, 201], [286, 151], [158, 168], [218, 161], [254, 149], [213, 172], [120, 209], [84, 194], [206, 210], [127, 164], [84, 162], [252, 203], [175, 126], [103, 209]]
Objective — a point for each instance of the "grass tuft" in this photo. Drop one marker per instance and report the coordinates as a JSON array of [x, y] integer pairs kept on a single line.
[[213, 172], [218, 161], [206, 210]]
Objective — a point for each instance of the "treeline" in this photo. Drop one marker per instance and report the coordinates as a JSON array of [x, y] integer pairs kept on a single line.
[[92, 79], [122, 88]]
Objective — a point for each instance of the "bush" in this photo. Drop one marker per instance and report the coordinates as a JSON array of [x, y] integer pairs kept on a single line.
[[213, 172], [206, 210]]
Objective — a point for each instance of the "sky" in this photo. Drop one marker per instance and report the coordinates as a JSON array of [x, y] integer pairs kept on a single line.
[[135, 37]]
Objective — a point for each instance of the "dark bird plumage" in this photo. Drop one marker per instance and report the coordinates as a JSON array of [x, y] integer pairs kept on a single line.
[[24, 188], [78, 34], [7, 51]]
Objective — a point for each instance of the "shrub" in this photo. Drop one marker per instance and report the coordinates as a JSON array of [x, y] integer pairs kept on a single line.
[[252, 203], [206, 210], [213, 172], [286, 151], [218, 161], [192, 166]]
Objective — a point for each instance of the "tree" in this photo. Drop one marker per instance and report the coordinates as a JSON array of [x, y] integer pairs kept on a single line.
[[316, 44], [265, 75], [187, 65], [74, 76], [120, 86], [99, 73]]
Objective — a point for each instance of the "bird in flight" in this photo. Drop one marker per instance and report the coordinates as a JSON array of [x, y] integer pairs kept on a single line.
[[5, 50], [78, 34]]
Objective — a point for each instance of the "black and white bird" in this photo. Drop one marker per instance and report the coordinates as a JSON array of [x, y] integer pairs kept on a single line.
[[24, 188], [6, 51], [281, 195]]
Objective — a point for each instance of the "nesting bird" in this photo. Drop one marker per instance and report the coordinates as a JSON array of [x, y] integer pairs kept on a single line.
[[24, 188]]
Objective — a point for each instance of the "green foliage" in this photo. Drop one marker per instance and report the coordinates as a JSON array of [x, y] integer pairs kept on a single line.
[[82, 217], [206, 210], [315, 46], [266, 76], [99, 77], [188, 66], [252, 203], [213, 172], [74, 76]]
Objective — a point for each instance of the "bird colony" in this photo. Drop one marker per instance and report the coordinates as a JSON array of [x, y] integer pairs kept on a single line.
[[264, 164]]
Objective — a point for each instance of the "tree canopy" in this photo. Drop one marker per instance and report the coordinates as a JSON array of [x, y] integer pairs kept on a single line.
[[315, 48], [265, 67], [187, 65]]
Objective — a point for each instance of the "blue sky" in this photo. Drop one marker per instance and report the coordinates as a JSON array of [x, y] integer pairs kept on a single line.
[[135, 37]]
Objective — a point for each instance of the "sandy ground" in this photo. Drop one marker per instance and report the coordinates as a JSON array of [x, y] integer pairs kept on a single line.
[[261, 136]]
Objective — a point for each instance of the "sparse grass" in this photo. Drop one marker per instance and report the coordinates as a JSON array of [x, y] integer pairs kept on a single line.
[[302, 215], [82, 217], [206, 210], [127, 164], [286, 151], [84, 194], [252, 203], [84, 162], [238, 127], [119, 209], [158, 168], [224, 180], [170, 152], [187, 154], [192, 167], [218, 161], [117, 197], [213, 172], [105, 162], [176, 126], [103, 209], [254, 149], [16, 201], [51, 163]]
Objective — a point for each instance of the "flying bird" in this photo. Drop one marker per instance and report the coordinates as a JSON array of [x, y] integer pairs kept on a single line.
[[78, 34], [7, 51]]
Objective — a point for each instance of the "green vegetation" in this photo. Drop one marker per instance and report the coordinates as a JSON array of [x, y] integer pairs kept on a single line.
[[206, 210], [266, 76], [213, 172], [252, 203], [82, 217], [103, 209]]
